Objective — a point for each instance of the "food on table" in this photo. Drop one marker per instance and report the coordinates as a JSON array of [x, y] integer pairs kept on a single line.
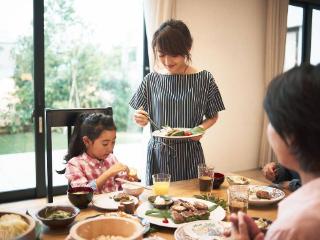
[[183, 211], [160, 202], [121, 197], [237, 180], [57, 214], [263, 224], [129, 206], [263, 194], [169, 131], [11, 226]]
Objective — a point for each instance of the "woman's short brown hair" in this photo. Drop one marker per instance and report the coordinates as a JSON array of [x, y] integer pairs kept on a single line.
[[172, 38]]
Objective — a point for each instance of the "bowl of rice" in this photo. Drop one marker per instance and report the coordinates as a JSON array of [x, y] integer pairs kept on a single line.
[[107, 228], [16, 226]]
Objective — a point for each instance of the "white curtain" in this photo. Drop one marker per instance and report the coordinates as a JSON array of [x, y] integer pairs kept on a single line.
[[155, 13], [277, 11]]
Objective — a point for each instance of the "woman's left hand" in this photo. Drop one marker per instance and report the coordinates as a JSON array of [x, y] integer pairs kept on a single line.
[[197, 138]]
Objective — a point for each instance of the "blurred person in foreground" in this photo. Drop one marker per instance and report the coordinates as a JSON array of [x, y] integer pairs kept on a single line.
[[292, 104]]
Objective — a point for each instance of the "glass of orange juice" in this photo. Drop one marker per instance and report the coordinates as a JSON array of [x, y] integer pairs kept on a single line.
[[161, 183]]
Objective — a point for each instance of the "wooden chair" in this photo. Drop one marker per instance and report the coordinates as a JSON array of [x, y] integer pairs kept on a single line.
[[62, 118]]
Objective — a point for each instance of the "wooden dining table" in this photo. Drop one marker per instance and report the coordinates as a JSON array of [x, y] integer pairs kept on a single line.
[[187, 188]]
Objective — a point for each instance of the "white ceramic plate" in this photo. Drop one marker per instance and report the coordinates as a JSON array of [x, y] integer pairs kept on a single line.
[[161, 133], [276, 195], [105, 201], [237, 180], [217, 214], [202, 230]]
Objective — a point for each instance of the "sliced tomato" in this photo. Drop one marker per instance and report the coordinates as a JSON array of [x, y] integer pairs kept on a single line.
[[187, 133]]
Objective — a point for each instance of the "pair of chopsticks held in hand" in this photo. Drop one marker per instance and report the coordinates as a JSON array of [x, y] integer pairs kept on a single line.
[[150, 120]]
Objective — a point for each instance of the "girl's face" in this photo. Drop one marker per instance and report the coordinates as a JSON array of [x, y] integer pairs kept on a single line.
[[173, 64], [281, 149], [102, 146]]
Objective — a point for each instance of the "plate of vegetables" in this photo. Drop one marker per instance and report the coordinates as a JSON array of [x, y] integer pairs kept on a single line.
[[178, 133], [181, 210]]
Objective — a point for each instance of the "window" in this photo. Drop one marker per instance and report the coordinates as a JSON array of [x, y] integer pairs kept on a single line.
[[89, 54], [303, 33]]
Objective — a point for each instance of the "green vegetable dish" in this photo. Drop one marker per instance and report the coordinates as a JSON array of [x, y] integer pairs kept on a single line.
[[57, 214]]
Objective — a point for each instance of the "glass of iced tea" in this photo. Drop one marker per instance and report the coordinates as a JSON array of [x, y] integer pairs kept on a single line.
[[206, 177], [161, 183], [238, 198]]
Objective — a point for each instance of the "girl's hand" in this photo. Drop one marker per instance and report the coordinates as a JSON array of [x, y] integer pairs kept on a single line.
[[140, 117], [269, 171], [116, 168]]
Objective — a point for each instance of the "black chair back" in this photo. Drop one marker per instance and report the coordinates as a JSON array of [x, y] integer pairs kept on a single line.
[[63, 118]]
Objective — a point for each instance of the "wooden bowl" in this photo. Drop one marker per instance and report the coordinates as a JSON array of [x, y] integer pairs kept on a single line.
[[57, 223], [217, 180], [107, 226], [30, 233], [80, 196]]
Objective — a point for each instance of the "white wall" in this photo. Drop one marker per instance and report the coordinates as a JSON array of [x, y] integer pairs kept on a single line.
[[229, 41]]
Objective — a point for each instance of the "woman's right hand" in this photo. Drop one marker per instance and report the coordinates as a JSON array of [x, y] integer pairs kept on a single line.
[[140, 117]]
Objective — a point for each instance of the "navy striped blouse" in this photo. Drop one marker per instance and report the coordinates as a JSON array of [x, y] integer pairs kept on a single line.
[[177, 101]]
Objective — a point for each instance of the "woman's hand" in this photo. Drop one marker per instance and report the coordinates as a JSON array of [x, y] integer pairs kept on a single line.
[[244, 228], [270, 171], [140, 117]]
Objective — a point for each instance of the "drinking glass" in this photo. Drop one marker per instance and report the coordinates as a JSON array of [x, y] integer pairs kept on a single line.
[[206, 177], [161, 183], [238, 198]]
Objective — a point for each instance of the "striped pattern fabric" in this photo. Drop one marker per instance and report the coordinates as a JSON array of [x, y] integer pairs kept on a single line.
[[177, 101]]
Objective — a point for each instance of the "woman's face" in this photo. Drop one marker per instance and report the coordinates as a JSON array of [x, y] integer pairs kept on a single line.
[[102, 146], [173, 64], [281, 149]]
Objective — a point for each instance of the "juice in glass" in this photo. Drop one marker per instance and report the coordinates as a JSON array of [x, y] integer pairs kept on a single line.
[[161, 183]]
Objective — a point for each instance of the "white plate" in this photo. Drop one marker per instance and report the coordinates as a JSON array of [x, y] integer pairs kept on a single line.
[[105, 201], [202, 230], [217, 214], [161, 133], [276, 195]]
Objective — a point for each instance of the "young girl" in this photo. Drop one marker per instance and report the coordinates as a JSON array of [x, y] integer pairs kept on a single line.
[[179, 96], [90, 161]]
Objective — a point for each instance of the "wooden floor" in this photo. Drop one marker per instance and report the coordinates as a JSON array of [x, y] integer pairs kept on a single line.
[[253, 173]]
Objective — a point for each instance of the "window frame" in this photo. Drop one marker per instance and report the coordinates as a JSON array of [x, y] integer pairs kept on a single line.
[[307, 7], [40, 190]]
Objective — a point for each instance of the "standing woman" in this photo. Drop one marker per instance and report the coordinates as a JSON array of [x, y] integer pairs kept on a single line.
[[179, 96]]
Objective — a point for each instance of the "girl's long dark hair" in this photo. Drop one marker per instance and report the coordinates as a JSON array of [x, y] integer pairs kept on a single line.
[[90, 125]]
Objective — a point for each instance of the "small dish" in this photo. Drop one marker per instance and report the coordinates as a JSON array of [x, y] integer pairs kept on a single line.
[[217, 180], [165, 204], [262, 223], [80, 196], [237, 180], [131, 189], [58, 216]]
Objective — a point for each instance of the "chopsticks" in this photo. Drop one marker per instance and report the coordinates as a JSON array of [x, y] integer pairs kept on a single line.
[[132, 183]]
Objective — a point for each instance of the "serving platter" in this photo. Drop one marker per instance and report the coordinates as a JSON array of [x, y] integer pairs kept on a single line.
[[217, 214], [162, 134], [105, 201]]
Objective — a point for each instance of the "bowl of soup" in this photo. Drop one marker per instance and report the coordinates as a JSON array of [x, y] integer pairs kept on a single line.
[[80, 196]]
